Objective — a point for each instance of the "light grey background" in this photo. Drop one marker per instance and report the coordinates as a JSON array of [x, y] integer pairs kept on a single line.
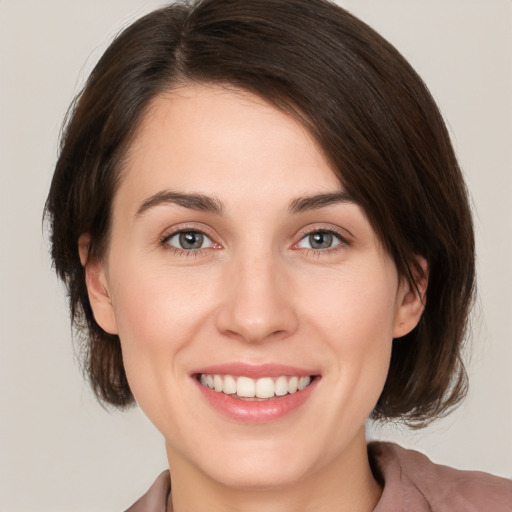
[[59, 450]]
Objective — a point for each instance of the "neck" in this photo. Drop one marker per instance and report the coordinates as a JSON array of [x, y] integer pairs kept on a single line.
[[344, 484]]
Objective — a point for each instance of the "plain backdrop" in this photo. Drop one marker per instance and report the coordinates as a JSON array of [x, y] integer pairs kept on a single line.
[[59, 450]]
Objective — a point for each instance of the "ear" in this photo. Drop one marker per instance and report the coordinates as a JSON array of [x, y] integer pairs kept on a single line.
[[97, 287], [411, 299]]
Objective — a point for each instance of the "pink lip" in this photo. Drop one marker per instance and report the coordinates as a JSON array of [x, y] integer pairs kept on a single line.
[[255, 371], [259, 412]]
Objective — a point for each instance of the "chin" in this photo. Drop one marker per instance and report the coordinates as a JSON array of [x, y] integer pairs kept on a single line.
[[259, 475], [258, 465]]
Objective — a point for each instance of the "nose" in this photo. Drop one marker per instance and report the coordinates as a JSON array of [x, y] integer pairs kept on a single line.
[[257, 300]]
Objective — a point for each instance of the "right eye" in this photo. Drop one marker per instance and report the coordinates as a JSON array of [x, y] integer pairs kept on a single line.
[[189, 240], [320, 240]]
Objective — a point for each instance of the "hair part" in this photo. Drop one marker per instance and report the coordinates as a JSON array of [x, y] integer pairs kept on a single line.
[[366, 108]]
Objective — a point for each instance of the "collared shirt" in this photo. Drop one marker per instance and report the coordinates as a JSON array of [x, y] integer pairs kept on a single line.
[[412, 483]]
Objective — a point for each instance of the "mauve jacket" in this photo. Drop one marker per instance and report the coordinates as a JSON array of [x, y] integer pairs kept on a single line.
[[412, 483]]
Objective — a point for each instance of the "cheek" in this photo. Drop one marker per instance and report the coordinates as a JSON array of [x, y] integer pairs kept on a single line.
[[355, 314], [151, 302], [355, 305], [158, 312]]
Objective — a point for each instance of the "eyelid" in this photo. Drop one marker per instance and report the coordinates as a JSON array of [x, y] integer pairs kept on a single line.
[[344, 235], [178, 234], [341, 234], [184, 228]]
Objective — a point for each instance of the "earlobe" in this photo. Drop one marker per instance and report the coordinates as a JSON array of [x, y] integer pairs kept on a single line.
[[411, 299], [97, 287]]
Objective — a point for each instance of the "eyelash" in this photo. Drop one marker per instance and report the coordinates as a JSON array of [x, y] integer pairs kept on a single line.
[[164, 242], [343, 242]]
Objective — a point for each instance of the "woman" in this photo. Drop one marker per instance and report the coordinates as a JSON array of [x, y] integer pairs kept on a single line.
[[266, 238]]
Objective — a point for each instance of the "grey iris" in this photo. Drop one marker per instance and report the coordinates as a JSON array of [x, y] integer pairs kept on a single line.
[[320, 240], [191, 240]]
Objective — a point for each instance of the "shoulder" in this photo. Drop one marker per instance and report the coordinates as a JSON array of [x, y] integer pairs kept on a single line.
[[409, 477], [155, 500]]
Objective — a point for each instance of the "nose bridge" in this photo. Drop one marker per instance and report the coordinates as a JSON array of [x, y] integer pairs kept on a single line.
[[256, 304]]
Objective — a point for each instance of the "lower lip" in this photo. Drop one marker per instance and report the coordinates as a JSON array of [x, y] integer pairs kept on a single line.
[[249, 411]]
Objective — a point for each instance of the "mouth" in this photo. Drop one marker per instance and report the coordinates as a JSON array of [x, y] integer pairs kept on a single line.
[[261, 389], [257, 394]]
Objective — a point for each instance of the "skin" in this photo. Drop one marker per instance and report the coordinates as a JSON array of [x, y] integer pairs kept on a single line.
[[259, 293]]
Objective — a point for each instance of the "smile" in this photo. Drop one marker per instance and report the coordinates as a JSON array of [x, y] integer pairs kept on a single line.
[[264, 388]]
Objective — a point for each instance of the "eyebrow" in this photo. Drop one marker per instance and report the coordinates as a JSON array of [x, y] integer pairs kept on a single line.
[[318, 201], [198, 202], [201, 202]]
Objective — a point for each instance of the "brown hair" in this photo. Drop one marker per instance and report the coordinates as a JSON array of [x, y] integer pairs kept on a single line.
[[370, 114]]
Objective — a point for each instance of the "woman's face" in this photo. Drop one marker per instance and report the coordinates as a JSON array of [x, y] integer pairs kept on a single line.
[[237, 260]]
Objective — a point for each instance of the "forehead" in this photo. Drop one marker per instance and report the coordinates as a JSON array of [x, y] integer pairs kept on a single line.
[[211, 139]]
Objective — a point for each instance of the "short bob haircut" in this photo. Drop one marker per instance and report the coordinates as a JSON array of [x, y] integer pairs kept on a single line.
[[368, 112]]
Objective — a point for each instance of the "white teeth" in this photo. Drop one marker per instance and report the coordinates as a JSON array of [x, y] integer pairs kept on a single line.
[[218, 383], [263, 388], [245, 387], [303, 382], [281, 386], [293, 384], [229, 385]]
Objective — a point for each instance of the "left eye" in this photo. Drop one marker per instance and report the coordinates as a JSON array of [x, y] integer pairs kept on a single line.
[[189, 240], [319, 240]]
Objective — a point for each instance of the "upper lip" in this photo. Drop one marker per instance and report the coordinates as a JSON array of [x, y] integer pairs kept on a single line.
[[255, 371]]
